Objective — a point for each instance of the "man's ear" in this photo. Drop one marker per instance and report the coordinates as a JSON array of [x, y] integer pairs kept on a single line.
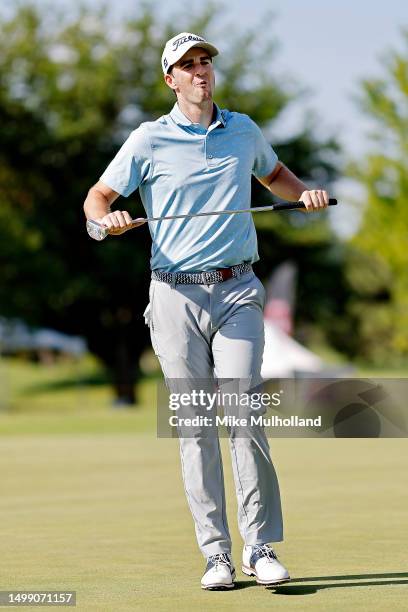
[[170, 81]]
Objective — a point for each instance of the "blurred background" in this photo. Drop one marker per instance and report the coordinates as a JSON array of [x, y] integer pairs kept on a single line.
[[75, 79], [90, 498]]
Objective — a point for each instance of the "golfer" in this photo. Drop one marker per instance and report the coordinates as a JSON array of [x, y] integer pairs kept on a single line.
[[206, 304]]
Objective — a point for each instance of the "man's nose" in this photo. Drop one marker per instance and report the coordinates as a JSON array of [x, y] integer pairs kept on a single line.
[[201, 69]]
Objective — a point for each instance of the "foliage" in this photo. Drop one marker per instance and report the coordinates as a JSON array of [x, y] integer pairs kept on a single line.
[[378, 263]]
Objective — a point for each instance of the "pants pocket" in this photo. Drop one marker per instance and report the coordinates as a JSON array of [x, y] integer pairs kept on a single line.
[[149, 318], [147, 315], [148, 312]]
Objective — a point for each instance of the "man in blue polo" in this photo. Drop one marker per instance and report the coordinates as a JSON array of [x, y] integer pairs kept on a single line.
[[206, 304]]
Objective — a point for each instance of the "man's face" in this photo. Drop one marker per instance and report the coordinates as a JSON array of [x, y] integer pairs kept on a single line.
[[192, 77]]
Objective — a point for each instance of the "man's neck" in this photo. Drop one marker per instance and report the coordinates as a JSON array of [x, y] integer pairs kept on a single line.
[[202, 114]]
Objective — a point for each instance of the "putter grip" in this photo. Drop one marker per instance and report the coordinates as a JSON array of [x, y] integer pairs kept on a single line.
[[294, 205]]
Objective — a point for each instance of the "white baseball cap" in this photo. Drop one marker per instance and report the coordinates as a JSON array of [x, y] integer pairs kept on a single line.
[[177, 46]]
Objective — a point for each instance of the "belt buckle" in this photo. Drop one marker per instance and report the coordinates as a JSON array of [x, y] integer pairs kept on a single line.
[[228, 273]]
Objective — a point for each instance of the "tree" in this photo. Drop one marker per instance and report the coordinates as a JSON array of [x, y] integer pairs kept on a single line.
[[69, 96], [378, 262]]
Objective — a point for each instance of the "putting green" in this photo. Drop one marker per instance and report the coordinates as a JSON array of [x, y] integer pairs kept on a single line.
[[105, 515]]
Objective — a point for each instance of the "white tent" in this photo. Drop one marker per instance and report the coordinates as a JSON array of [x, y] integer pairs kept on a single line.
[[283, 356]]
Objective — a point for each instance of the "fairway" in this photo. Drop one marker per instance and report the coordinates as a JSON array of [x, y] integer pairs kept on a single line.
[[104, 514]]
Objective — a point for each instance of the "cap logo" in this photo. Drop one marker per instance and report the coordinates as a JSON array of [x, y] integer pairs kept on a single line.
[[165, 63], [183, 39]]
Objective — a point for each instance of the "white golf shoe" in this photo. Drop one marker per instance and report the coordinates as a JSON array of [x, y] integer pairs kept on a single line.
[[261, 561], [219, 573]]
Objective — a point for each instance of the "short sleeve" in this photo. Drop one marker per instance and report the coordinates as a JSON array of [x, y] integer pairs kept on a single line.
[[131, 165], [265, 158]]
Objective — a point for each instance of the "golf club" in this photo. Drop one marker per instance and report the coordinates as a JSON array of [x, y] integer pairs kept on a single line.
[[99, 232]]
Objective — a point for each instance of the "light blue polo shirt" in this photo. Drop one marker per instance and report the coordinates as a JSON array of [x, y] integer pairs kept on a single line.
[[182, 168]]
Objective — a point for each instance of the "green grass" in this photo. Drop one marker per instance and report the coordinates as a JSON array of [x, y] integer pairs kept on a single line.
[[68, 398], [105, 515], [92, 501]]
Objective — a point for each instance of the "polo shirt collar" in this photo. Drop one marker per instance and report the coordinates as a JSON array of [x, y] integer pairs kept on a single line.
[[179, 118]]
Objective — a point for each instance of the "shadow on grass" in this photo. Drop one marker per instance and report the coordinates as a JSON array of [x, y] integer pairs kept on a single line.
[[93, 380], [242, 584], [358, 580]]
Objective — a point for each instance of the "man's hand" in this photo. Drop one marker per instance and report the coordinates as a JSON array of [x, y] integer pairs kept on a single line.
[[314, 199], [118, 222]]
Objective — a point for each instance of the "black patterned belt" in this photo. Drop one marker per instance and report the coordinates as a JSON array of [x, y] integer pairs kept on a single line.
[[201, 278]]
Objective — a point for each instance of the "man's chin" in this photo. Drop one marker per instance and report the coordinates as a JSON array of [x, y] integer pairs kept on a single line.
[[204, 95]]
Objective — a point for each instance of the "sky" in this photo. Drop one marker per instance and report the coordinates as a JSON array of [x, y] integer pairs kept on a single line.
[[327, 46]]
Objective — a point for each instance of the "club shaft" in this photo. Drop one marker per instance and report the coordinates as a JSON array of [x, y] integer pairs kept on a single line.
[[254, 209], [210, 213]]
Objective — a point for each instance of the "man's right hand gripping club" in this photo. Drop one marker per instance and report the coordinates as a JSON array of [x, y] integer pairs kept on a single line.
[[97, 207], [118, 222]]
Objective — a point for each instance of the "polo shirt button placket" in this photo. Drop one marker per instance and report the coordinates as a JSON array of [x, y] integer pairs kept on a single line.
[[209, 155]]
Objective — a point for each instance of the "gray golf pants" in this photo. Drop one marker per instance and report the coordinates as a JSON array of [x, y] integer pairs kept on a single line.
[[208, 332]]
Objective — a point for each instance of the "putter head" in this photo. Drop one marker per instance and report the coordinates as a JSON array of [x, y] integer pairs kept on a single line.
[[96, 230]]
